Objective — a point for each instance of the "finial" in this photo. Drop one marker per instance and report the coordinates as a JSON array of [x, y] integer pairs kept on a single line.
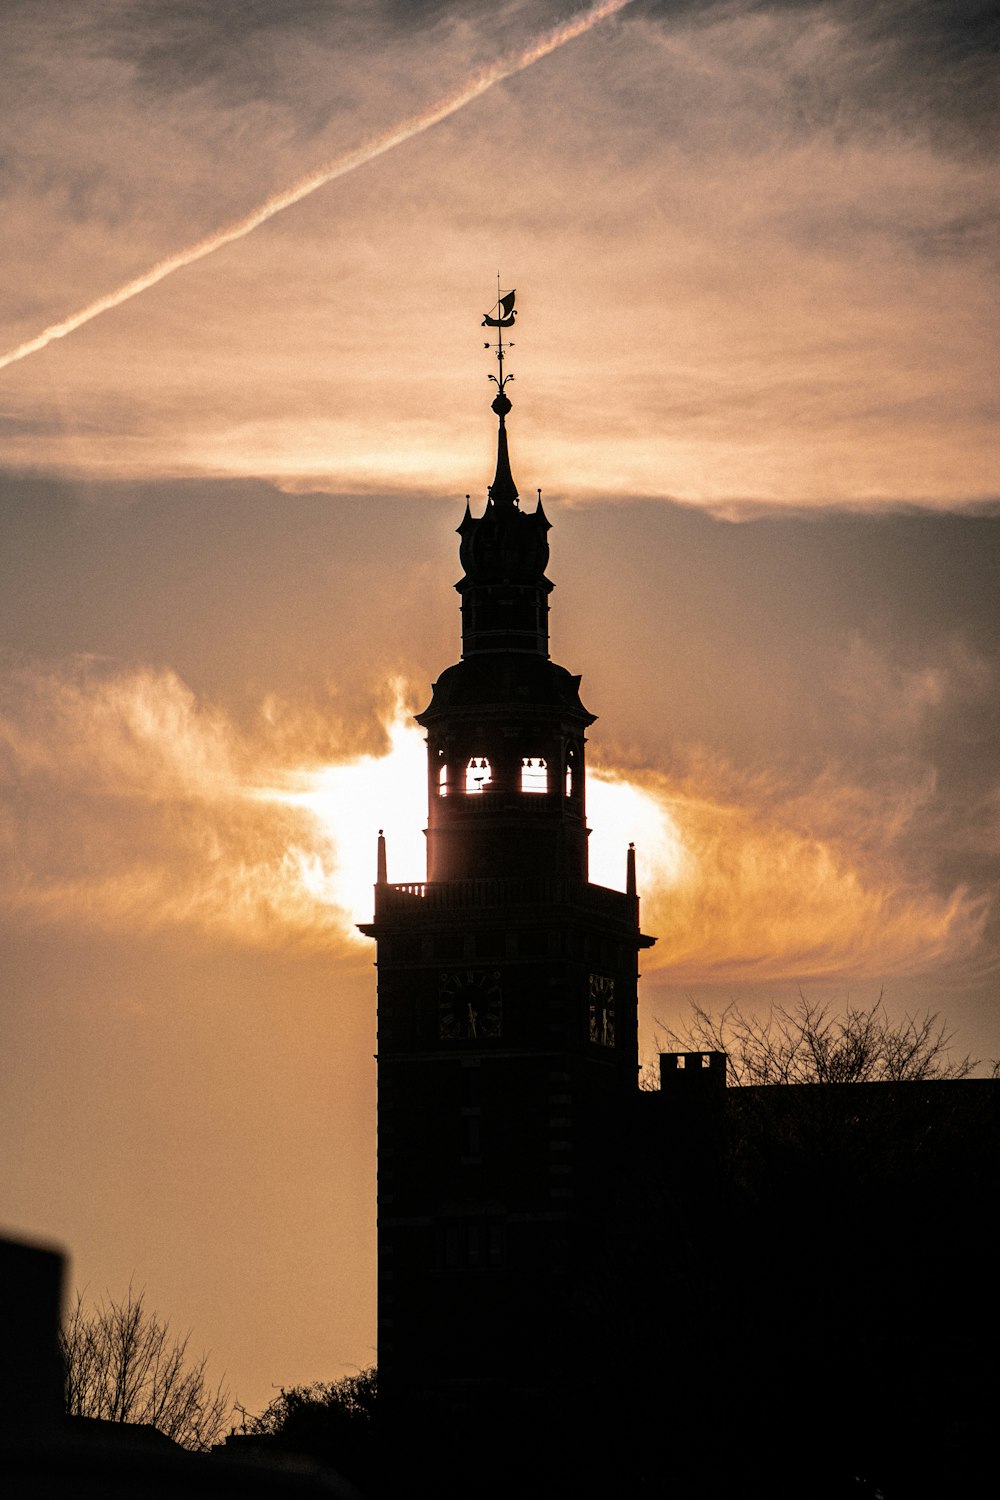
[[381, 868], [630, 886]]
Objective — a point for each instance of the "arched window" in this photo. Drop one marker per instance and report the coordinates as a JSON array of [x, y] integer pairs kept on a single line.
[[478, 773], [570, 771], [443, 781], [534, 774]]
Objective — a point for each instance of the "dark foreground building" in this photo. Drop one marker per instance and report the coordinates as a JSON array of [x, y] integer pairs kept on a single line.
[[584, 1289]]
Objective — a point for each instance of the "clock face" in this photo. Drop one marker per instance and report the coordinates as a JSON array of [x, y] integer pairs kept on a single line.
[[470, 1005], [602, 1010]]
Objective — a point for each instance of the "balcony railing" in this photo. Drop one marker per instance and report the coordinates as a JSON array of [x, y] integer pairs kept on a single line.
[[423, 897]]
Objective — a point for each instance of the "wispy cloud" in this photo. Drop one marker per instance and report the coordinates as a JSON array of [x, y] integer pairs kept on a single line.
[[801, 312], [132, 805], [135, 805], [814, 885], [370, 150]]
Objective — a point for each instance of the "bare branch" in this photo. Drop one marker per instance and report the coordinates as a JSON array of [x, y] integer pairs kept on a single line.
[[808, 1043], [121, 1364]]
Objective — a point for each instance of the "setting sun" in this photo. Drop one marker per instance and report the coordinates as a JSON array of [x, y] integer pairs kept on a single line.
[[353, 800]]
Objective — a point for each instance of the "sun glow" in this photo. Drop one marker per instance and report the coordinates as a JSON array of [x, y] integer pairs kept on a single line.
[[145, 808], [621, 813], [353, 800]]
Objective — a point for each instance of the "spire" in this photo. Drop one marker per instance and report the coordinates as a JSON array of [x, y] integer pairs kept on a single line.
[[504, 552], [503, 490]]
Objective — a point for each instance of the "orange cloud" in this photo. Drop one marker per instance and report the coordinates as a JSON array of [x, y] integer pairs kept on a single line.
[[800, 883], [801, 313], [137, 806]]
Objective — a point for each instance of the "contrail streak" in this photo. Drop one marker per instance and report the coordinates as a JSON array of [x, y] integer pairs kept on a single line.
[[505, 67]]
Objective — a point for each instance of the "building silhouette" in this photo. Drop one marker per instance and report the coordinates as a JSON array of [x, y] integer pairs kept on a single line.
[[507, 1000], [697, 1291]]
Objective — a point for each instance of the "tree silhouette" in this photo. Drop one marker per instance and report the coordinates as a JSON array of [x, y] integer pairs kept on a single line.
[[335, 1423], [121, 1364], [812, 1043]]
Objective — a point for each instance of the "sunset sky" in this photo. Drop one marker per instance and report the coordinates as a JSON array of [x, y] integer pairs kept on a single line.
[[754, 246]]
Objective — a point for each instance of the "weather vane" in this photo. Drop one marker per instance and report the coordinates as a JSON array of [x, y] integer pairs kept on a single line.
[[501, 316]]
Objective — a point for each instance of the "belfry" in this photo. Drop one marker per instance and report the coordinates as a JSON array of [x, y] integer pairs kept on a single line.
[[507, 995]]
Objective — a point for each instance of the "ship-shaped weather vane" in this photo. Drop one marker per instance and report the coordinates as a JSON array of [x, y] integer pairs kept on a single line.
[[501, 316]]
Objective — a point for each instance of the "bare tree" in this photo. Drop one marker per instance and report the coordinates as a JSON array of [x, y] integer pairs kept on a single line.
[[812, 1043], [121, 1364]]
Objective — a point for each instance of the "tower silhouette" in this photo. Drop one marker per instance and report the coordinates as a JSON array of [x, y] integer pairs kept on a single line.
[[507, 1000]]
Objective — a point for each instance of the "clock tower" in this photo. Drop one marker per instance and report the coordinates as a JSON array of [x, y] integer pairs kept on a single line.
[[507, 999]]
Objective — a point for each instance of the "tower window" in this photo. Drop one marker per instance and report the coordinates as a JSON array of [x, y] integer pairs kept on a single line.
[[570, 771], [534, 775], [478, 773], [443, 781]]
